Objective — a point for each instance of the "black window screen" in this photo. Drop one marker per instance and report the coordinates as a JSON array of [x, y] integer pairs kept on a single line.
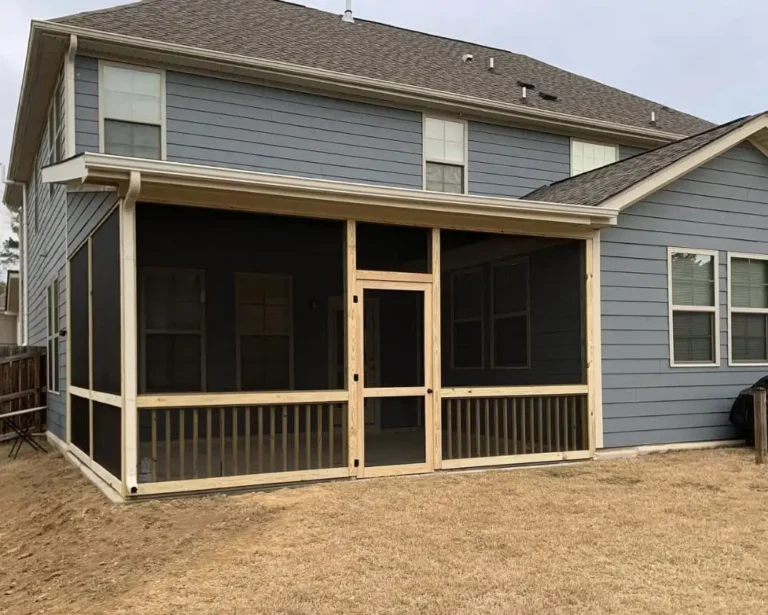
[[78, 305], [105, 274], [107, 436], [81, 423]]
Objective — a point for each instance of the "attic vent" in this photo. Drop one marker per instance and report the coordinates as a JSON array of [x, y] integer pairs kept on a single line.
[[467, 57], [546, 96], [524, 84]]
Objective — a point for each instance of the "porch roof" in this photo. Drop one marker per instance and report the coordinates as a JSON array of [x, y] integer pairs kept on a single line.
[[206, 186]]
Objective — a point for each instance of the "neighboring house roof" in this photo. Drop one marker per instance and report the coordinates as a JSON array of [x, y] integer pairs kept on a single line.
[[597, 186], [291, 33]]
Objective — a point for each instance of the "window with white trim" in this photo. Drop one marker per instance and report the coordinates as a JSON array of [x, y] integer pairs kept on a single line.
[[693, 307], [467, 302], [173, 328], [444, 155], [52, 336], [749, 309], [510, 311], [264, 331], [132, 109], [586, 156]]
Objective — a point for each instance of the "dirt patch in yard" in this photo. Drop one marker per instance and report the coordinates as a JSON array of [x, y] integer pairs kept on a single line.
[[673, 533]]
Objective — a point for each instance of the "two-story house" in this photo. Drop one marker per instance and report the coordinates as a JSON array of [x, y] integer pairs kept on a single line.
[[266, 244]]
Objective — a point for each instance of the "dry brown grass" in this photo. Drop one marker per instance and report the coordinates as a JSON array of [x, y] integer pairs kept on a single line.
[[675, 533]]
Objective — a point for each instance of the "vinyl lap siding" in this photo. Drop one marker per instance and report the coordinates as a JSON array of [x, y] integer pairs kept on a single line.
[[244, 126], [85, 210], [511, 162], [86, 105], [720, 206]]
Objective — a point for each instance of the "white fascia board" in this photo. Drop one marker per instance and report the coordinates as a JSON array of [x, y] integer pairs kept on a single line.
[[692, 161], [71, 170]]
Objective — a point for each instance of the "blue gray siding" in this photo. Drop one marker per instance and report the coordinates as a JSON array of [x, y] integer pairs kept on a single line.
[[245, 126], [720, 206], [512, 162], [86, 105], [85, 210], [46, 261]]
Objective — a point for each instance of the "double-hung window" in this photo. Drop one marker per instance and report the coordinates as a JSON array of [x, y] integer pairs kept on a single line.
[[510, 324], [693, 310], [467, 302], [52, 337], [587, 156], [444, 155], [748, 298], [132, 109]]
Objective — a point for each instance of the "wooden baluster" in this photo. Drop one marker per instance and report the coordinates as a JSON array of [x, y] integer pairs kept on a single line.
[[478, 442], [344, 460], [154, 446], [523, 422], [248, 440], [468, 408], [514, 425], [308, 435], [496, 425], [209, 441], [449, 426], [531, 424], [319, 436], [556, 427], [182, 444], [296, 432], [195, 442], [584, 427], [540, 412], [566, 427], [549, 424], [223, 441], [505, 425], [331, 432], [458, 429], [487, 427], [272, 427], [574, 426], [260, 432], [285, 438], [167, 445], [235, 438]]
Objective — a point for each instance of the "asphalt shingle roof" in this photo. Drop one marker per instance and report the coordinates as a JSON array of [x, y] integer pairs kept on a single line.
[[594, 187], [280, 31]]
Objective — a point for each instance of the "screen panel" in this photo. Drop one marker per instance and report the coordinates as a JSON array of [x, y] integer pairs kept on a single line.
[[79, 318]]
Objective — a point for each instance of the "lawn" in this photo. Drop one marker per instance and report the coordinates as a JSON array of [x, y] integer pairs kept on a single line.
[[672, 533]]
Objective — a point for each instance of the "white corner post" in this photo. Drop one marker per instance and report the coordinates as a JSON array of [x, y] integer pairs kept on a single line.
[[596, 344], [128, 335], [69, 93]]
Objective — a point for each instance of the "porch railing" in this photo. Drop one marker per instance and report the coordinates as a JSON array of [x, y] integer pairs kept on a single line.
[[210, 442], [504, 428]]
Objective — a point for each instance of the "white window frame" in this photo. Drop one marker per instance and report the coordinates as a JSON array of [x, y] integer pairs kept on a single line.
[[52, 316], [290, 334], [738, 310], [426, 159], [480, 317], [144, 332], [527, 313], [694, 308], [163, 102], [586, 142]]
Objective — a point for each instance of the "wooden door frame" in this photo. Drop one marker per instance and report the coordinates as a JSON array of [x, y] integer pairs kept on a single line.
[[427, 390]]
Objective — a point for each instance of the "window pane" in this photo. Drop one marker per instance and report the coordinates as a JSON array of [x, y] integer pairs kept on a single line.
[[173, 299], [445, 178], [467, 294], [749, 280], [748, 337], [588, 156], [510, 341], [173, 363], [693, 337], [510, 288], [468, 344], [133, 140], [265, 362], [132, 95], [693, 281]]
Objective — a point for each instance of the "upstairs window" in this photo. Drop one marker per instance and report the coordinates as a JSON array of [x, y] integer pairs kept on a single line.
[[132, 108], [444, 155], [749, 309], [587, 156], [693, 307]]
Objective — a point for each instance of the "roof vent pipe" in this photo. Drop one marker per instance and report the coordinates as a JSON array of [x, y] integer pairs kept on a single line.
[[525, 92], [653, 117], [348, 18], [491, 63]]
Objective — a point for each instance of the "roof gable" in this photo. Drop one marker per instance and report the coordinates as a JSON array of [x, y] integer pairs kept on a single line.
[[285, 32]]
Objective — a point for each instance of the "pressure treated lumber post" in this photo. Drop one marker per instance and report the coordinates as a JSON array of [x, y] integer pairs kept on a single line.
[[761, 435]]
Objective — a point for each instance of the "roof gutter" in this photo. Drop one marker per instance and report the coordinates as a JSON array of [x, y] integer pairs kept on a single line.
[[356, 85], [182, 183]]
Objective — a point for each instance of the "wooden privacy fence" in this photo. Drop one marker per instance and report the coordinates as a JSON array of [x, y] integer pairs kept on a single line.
[[189, 443], [22, 385]]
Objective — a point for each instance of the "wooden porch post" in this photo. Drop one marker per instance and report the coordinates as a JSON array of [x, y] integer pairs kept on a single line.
[[353, 406], [129, 333], [437, 404], [592, 321]]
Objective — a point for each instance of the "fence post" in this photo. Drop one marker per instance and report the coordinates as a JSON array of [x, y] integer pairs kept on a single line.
[[761, 435]]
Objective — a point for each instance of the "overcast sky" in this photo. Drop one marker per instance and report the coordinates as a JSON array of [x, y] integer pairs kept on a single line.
[[705, 57]]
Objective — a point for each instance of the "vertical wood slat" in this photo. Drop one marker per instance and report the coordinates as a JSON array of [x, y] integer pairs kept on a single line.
[[308, 435], [296, 436], [449, 426], [344, 451], [557, 424], [182, 444], [523, 421], [235, 437], [574, 424], [468, 425], [549, 424], [319, 436], [272, 438], [458, 429], [540, 417], [260, 431], [222, 441], [496, 426], [531, 424], [167, 445], [285, 438], [505, 423], [208, 441], [248, 440], [195, 441], [331, 434], [566, 426], [154, 446], [478, 449], [584, 428], [487, 428]]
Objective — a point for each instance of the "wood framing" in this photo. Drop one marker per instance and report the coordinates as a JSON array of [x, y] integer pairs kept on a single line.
[[437, 378], [595, 374], [212, 400], [506, 460], [525, 391], [589, 323]]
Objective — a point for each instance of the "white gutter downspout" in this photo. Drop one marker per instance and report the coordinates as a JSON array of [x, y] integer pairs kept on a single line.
[[129, 333], [69, 92]]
